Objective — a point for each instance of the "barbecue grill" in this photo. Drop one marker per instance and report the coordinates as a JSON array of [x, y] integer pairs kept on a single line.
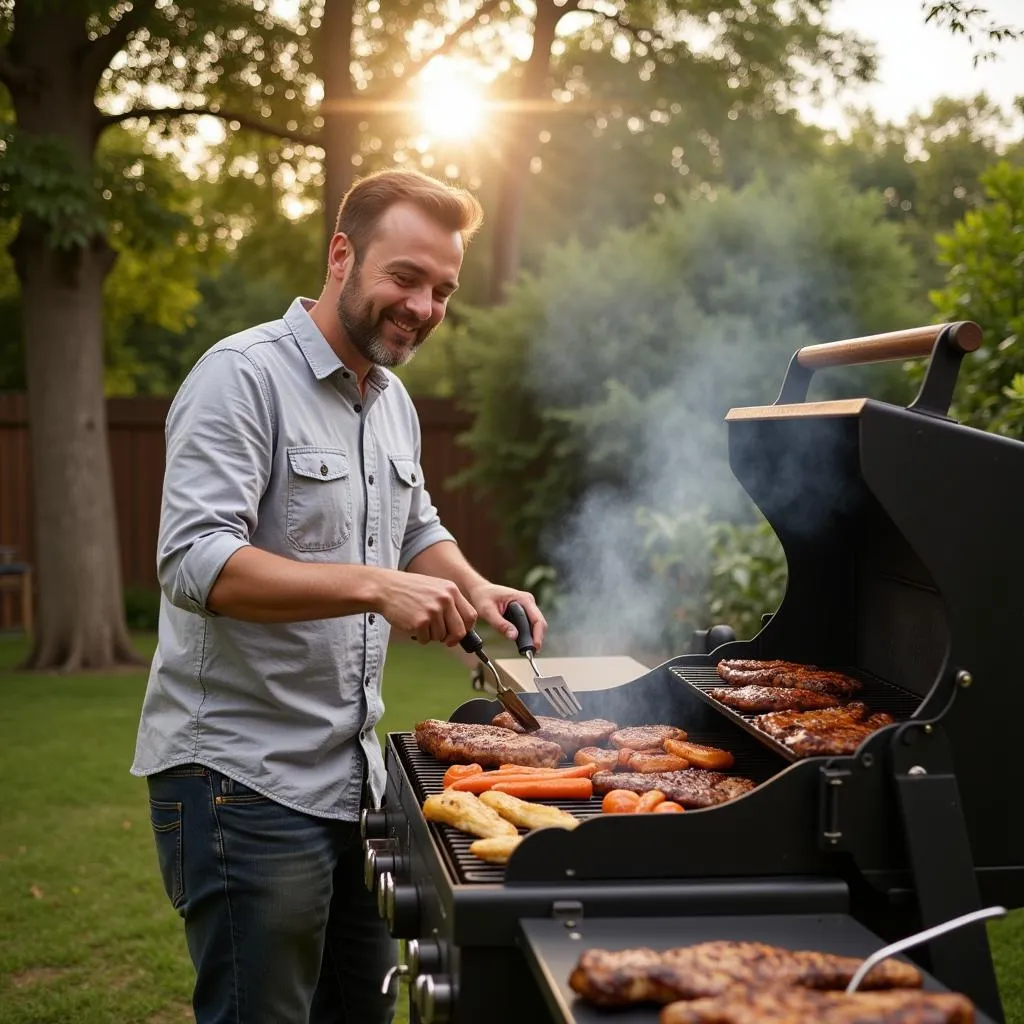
[[898, 526]]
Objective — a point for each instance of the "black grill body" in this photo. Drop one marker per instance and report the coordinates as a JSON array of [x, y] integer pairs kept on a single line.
[[899, 529]]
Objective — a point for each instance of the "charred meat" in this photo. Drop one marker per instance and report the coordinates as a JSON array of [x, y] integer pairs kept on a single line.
[[753, 698], [487, 745], [619, 978], [569, 735], [788, 674], [838, 730], [795, 1005], [692, 788], [646, 737]]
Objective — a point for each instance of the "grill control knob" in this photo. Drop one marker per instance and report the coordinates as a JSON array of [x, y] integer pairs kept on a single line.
[[373, 849], [423, 956], [433, 995], [399, 905], [373, 824]]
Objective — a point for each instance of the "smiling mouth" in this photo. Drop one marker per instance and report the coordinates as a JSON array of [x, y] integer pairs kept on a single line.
[[404, 327]]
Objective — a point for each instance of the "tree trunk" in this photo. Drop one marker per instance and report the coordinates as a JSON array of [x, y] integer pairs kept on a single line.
[[81, 620], [341, 122], [518, 150]]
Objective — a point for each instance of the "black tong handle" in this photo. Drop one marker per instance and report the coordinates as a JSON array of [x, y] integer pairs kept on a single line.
[[516, 614]]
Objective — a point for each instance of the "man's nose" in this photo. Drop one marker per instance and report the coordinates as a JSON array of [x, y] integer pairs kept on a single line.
[[421, 304]]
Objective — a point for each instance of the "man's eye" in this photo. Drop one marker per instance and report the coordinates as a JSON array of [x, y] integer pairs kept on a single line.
[[404, 280]]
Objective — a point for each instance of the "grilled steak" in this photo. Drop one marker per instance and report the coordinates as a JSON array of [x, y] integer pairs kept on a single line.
[[569, 735], [787, 674], [838, 730], [646, 737], [795, 1005], [693, 788], [771, 698], [711, 968], [604, 758], [486, 745]]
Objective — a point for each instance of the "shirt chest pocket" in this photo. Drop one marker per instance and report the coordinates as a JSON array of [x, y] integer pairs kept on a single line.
[[405, 478], [319, 499]]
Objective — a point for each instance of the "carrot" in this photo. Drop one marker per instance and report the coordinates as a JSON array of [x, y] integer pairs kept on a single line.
[[481, 782], [548, 789], [571, 771], [649, 801], [461, 771], [620, 801]]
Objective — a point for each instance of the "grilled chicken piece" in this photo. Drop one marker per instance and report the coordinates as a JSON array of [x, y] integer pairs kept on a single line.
[[486, 745], [795, 1005], [604, 758], [788, 674], [711, 968], [771, 698], [655, 761], [646, 737], [693, 788], [699, 755], [465, 812], [569, 735], [495, 850], [839, 730], [526, 814]]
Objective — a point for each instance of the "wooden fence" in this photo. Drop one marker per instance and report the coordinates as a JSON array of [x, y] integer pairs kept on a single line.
[[136, 432]]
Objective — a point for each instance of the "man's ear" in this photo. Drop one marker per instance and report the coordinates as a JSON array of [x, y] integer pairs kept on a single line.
[[340, 256]]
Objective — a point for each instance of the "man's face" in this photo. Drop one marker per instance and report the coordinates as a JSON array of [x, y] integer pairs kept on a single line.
[[397, 291]]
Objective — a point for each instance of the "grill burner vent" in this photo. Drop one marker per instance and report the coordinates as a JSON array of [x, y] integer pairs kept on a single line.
[[878, 694]]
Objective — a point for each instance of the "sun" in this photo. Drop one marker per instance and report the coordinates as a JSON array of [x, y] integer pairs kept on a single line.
[[451, 102]]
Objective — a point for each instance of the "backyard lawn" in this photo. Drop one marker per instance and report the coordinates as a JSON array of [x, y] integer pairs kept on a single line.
[[86, 933]]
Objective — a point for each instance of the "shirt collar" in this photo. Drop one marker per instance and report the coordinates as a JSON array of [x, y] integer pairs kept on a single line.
[[322, 359]]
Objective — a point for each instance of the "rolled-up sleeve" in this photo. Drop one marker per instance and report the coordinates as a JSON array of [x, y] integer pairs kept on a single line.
[[219, 435]]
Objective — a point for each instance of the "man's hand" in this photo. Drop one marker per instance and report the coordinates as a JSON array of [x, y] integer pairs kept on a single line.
[[490, 600], [426, 607]]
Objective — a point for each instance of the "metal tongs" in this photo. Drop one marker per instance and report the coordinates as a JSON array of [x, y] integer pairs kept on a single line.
[[472, 644], [554, 688], [918, 939]]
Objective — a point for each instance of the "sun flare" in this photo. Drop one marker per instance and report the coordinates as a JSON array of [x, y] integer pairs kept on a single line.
[[451, 103]]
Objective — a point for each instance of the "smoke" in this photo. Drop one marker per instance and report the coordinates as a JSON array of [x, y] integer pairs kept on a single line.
[[670, 446]]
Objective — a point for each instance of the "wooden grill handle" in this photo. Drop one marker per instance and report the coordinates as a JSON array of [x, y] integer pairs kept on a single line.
[[876, 348]]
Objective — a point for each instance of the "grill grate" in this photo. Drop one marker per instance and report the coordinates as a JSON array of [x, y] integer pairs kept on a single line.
[[878, 694], [753, 761]]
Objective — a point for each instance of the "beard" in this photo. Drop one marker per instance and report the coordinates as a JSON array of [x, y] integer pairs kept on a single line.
[[363, 328]]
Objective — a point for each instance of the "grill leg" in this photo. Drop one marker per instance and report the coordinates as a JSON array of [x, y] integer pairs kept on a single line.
[[943, 868]]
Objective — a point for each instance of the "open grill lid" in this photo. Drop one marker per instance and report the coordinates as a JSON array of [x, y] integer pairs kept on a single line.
[[901, 530]]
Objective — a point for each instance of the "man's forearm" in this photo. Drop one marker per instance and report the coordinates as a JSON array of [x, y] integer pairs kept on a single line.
[[446, 561], [258, 586]]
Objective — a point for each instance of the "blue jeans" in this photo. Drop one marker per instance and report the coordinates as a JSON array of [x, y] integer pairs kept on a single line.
[[279, 925]]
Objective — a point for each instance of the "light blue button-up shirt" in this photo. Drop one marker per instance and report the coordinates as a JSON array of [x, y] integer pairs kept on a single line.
[[270, 443]]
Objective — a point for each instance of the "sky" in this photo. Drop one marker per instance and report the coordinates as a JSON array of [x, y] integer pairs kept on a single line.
[[918, 62]]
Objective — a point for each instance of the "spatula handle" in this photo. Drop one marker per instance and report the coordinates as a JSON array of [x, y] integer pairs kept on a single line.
[[471, 642], [516, 614]]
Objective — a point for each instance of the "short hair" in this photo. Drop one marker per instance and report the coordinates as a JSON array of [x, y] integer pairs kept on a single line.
[[373, 195]]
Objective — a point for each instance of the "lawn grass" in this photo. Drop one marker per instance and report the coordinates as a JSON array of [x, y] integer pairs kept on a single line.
[[86, 933]]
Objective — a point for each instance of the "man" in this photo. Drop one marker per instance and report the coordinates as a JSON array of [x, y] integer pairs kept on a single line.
[[295, 533]]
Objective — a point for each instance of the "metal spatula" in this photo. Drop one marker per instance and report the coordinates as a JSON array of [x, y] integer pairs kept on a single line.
[[554, 688], [472, 644]]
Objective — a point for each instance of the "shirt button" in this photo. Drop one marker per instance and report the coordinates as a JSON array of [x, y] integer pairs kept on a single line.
[[358, 407], [369, 542], [413, 478], [323, 470], [371, 478], [373, 618], [367, 680]]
